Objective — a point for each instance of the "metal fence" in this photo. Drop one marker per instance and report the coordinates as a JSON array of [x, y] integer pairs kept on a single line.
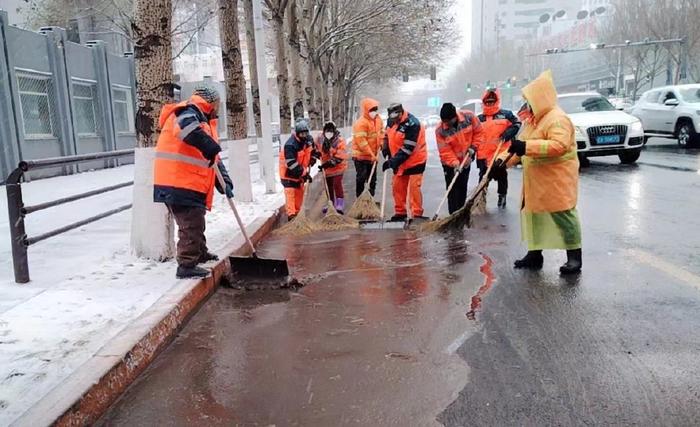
[[17, 211], [59, 98]]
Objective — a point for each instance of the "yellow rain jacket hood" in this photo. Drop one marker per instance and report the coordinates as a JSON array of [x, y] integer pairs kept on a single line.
[[550, 171]]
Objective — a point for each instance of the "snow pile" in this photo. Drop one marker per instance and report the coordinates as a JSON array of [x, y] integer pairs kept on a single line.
[[86, 287]]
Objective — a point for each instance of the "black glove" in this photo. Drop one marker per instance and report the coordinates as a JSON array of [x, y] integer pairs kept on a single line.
[[327, 164], [497, 169], [386, 165], [510, 133], [229, 191], [315, 154], [307, 178], [385, 151], [517, 147]]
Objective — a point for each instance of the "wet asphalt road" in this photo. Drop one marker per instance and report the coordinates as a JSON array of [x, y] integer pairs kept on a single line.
[[395, 328]]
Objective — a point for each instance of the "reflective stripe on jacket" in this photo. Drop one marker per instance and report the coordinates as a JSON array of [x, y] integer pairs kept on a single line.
[[406, 141], [454, 142], [182, 175], [334, 150], [294, 161], [367, 133]]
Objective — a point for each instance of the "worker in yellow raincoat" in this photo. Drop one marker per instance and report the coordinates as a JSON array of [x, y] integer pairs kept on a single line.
[[547, 149]]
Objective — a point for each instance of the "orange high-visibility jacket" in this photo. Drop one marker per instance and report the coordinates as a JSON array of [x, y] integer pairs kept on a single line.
[[182, 175], [367, 133], [454, 142], [406, 143], [295, 158], [335, 151], [494, 121]]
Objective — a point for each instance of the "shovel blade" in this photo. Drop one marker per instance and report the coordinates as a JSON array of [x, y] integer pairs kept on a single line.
[[258, 268], [373, 225]]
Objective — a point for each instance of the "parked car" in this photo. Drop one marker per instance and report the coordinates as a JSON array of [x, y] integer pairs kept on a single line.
[[473, 105], [671, 112], [601, 130]]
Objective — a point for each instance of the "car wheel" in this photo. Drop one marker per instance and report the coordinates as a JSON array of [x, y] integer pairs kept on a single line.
[[686, 134], [629, 157]]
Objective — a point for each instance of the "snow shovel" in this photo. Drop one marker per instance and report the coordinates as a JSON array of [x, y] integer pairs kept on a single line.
[[382, 224], [252, 267]]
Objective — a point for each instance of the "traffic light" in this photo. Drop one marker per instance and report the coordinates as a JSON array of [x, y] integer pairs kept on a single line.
[[404, 75], [469, 87], [508, 83], [433, 72]]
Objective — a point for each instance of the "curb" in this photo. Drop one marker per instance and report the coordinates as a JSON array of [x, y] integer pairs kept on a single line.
[[90, 391]]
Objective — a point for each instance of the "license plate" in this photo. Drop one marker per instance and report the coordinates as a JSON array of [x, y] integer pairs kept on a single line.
[[608, 139]]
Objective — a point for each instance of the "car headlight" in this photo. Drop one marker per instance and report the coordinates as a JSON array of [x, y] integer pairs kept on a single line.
[[580, 133], [636, 128]]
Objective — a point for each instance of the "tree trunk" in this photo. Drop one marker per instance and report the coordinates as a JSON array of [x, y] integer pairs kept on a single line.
[[320, 96], [294, 61], [154, 66], [236, 103], [311, 95], [282, 75], [252, 66], [151, 225]]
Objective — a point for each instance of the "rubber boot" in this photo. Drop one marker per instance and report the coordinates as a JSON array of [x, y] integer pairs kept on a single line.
[[290, 218], [532, 261], [208, 257], [574, 262], [324, 210], [340, 205], [502, 201], [398, 218], [190, 272]]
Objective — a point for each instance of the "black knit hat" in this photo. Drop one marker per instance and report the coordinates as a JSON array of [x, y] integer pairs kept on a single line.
[[329, 126], [447, 112]]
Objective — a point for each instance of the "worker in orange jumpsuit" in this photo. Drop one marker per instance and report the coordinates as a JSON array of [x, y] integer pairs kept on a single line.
[[334, 162], [497, 124], [184, 177], [407, 156], [458, 137], [296, 157], [367, 137]]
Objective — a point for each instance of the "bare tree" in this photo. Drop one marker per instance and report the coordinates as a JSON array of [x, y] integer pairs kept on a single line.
[[236, 102], [277, 10], [252, 65], [154, 66], [294, 59]]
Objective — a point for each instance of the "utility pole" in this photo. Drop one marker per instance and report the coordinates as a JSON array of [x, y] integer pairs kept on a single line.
[[265, 155], [619, 71]]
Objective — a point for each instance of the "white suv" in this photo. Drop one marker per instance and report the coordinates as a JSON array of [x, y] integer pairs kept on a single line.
[[601, 130], [671, 112]]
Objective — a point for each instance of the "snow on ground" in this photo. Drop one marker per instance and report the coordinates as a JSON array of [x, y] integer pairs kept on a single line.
[[86, 286]]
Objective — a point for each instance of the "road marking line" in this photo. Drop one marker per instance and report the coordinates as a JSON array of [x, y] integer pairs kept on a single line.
[[452, 348], [666, 267]]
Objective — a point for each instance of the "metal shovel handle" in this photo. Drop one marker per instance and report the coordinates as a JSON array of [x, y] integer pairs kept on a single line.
[[382, 207], [222, 183]]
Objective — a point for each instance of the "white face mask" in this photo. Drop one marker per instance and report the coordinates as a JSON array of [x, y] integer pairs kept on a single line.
[[329, 135], [372, 114]]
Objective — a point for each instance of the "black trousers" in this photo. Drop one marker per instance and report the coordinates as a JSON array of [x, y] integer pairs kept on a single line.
[[458, 194], [502, 178], [362, 170]]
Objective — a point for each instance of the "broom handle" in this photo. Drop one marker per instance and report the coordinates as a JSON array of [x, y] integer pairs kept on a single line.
[[371, 174], [386, 174], [449, 188], [325, 185], [484, 182], [222, 183]]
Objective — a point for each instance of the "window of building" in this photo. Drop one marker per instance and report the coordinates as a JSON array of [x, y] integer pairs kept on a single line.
[[84, 97], [34, 97], [123, 110]]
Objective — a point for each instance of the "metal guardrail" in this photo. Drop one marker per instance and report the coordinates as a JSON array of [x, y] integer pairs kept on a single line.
[[17, 211]]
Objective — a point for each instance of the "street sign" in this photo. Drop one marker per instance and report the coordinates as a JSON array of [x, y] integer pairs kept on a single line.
[[434, 101]]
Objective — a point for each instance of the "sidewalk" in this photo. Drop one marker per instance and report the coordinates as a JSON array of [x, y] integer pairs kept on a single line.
[[87, 289]]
